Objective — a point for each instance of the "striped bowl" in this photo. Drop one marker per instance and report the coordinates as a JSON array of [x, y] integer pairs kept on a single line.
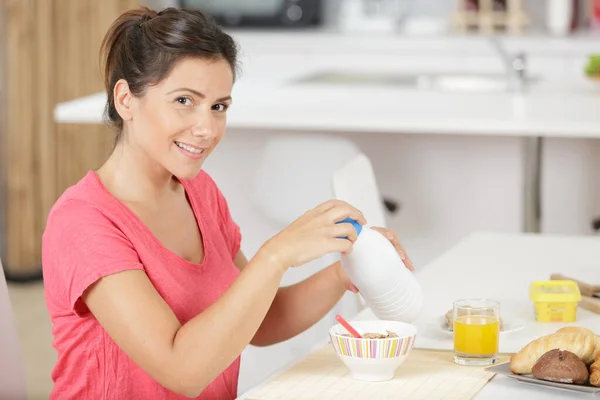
[[373, 360]]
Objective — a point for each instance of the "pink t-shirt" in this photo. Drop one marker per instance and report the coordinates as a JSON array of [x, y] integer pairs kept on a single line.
[[91, 234]]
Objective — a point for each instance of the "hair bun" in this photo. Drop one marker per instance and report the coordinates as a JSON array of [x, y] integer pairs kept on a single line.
[[147, 16]]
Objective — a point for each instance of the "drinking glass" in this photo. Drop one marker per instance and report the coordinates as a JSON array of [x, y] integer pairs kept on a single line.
[[476, 324]]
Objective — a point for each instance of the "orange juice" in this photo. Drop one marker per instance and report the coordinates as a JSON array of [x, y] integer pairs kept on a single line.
[[476, 335]]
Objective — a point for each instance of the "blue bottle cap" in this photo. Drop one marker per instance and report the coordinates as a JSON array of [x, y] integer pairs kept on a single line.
[[356, 225]]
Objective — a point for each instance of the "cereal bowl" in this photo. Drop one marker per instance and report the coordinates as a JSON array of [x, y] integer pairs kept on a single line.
[[373, 359]]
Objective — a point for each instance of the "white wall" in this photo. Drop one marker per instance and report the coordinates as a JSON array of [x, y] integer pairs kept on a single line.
[[571, 189]]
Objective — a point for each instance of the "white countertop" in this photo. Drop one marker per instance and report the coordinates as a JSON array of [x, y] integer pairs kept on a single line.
[[502, 266], [564, 103]]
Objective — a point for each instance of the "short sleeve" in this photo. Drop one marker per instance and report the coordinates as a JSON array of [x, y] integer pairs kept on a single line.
[[80, 246], [229, 228]]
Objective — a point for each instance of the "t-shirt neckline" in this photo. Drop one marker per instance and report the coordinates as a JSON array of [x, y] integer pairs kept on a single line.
[[148, 233]]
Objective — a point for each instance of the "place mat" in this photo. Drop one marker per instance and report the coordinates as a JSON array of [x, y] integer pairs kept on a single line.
[[425, 374]]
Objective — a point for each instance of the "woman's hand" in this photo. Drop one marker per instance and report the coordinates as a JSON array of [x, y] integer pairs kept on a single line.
[[314, 234], [393, 238]]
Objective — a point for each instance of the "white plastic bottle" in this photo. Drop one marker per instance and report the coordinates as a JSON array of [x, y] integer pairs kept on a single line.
[[388, 287]]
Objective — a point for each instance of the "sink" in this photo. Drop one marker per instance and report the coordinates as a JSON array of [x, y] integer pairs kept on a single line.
[[450, 82], [464, 83]]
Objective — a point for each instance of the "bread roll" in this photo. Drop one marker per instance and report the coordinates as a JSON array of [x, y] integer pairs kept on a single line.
[[449, 322], [582, 345], [561, 366], [595, 371]]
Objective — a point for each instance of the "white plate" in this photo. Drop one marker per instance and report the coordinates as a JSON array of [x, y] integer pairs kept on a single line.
[[509, 324]]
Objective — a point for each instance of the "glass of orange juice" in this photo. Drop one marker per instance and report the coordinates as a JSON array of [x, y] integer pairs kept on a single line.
[[476, 325]]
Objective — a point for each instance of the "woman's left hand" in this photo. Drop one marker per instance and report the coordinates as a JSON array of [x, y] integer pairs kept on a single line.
[[393, 238]]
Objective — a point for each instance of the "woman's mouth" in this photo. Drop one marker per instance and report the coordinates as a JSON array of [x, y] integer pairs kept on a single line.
[[189, 150]]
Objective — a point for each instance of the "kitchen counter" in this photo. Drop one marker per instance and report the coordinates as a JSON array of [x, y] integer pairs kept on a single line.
[[268, 97], [501, 267]]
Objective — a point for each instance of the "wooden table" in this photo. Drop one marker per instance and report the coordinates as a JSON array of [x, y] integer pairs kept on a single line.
[[502, 266]]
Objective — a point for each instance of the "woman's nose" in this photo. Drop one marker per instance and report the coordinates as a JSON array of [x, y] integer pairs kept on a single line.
[[205, 127]]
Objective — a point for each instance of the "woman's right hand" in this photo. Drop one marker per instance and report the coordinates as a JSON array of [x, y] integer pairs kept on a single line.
[[314, 234]]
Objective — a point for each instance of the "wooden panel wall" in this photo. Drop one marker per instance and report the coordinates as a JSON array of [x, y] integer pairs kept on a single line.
[[50, 54]]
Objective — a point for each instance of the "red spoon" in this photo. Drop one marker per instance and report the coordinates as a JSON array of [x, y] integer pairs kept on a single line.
[[348, 327]]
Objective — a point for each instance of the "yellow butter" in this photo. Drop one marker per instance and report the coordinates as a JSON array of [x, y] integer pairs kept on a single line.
[[555, 300]]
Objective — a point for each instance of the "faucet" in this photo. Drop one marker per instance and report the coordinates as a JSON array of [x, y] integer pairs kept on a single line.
[[516, 66]]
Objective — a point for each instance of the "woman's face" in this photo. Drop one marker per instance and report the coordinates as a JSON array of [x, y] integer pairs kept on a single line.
[[178, 122]]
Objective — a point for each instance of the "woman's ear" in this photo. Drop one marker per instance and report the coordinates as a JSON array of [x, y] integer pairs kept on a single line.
[[123, 98]]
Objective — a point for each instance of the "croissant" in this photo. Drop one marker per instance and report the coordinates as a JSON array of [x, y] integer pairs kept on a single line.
[[580, 329], [581, 344], [595, 371], [570, 329]]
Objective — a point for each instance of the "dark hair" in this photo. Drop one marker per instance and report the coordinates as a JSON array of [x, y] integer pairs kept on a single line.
[[142, 46]]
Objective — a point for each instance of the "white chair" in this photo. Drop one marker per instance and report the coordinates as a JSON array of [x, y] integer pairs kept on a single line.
[[295, 173], [12, 372]]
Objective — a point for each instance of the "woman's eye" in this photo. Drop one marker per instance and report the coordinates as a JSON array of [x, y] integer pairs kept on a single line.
[[184, 101], [220, 107]]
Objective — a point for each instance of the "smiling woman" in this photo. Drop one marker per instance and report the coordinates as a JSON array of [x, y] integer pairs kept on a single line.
[[152, 71], [148, 292]]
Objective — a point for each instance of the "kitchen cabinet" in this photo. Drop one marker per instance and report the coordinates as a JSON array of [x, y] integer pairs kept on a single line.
[[49, 55]]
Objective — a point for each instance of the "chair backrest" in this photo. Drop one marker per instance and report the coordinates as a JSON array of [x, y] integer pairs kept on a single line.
[[355, 183], [12, 373], [296, 173]]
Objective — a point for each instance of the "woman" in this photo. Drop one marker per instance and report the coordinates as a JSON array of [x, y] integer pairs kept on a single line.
[[149, 294]]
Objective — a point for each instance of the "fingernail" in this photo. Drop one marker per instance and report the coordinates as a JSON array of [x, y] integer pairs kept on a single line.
[[390, 236], [402, 255]]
